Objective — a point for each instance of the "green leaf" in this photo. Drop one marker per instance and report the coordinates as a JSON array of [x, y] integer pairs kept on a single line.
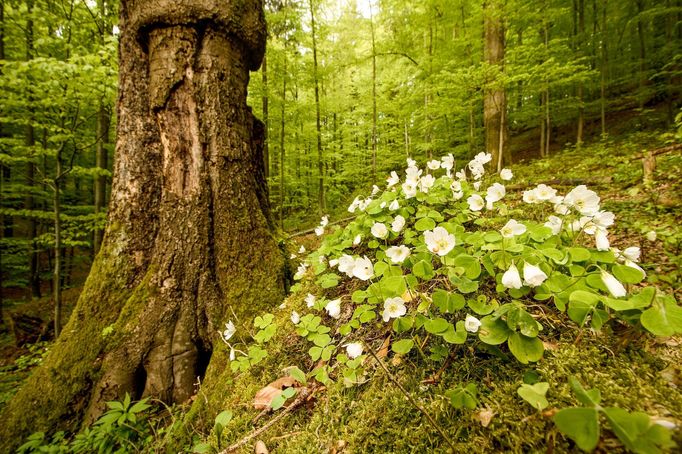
[[590, 397], [458, 336], [424, 224], [579, 254], [202, 448], [264, 321], [328, 280], [493, 331], [423, 269], [535, 394], [402, 347], [321, 340], [636, 431], [663, 318], [481, 306], [447, 302], [627, 274], [471, 265], [402, 324], [525, 348], [298, 375], [393, 286], [463, 397], [223, 418], [580, 425], [437, 325]]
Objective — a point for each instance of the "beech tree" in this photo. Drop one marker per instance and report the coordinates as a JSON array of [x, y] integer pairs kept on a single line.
[[189, 242]]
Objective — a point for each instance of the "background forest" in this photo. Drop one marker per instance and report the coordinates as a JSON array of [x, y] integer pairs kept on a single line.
[[348, 90]]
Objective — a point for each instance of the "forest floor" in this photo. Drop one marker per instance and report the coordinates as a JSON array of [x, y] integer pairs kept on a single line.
[[632, 371]]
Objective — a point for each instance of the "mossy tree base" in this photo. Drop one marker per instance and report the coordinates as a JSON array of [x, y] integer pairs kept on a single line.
[[189, 243]]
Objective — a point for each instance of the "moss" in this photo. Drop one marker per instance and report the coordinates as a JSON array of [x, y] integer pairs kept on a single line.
[[376, 416]]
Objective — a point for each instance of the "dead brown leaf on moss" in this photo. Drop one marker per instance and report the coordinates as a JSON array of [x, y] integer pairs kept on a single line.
[[263, 398]]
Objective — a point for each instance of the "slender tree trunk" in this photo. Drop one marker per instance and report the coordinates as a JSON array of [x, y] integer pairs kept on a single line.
[[282, 184], [189, 241], [374, 96], [579, 46], [266, 117], [603, 69], [318, 127], [3, 171], [642, 53], [494, 101], [56, 278]]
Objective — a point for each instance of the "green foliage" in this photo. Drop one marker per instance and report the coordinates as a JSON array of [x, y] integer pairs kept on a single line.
[[463, 396], [635, 430]]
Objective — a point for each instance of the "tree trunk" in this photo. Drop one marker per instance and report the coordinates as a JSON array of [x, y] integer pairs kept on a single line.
[[494, 101], [57, 274], [603, 69], [579, 44], [266, 119], [189, 240], [374, 96], [282, 125], [318, 126]]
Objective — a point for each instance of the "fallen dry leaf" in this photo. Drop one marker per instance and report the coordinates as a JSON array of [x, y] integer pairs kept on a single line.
[[383, 350], [484, 416], [264, 397], [261, 448]]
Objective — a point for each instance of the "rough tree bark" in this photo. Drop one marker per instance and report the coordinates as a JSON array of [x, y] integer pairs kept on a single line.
[[494, 101], [189, 240]]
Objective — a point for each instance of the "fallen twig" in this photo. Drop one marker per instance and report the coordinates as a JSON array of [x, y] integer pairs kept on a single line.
[[303, 395]]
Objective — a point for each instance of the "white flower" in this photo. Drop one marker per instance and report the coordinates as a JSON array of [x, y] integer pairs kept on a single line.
[[300, 272], [310, 300], [357, 239], [409, 189], [457, 195], [354, 349], [447, 162], [561, 208], [632, 253], [394, 205], [282, 306], [324, 221], [319, 230], [601, 240], [439, 241], [333, 308], [333, 262], [301, 250], [461, 175], [393, 308], [379, 230], [475, 202], [530, 196], [532, 275], [456, 186], [615, 287], [477, 185], [230, 329], [512, 229], [665, 423], [477, 169], [233, 356], [362, 204], [354, 205], [346, 263], [413, 174], [583, 200], [483, 158], [544, 193], [426, 182], [632, 264], [495, 192], [398, 224], [363, 268], [506, 174], [604, 219], [433, 165], [295, 318], [555, 224], [293, 256], [375, 189], [393, 179], [651, 235], [511, 278], [471, 323], [398, 254], [382, 205], [411, 162]]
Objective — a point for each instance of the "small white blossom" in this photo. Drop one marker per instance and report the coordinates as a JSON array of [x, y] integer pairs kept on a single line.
[[475, 202], [544, 193], [632, 264], [477, 185], [398, 224], [426, 182], [448, 163], [333, 308], [363, 268], [495, 192], [471, 323], [324, 221], [483, 158], [511, 278], [301, 250], [555, 224], [310, 300], [333, 262], [393, 308], [632, 253], [230, 329], [398, 254], [233, 356], [354, 349], [393, 179], [293, 256], [583, 200], [532, 275], [613, 285], [379, 230], [530, 196], [354, 205], [601, 240], [433, 165], [506, 174], [651, 235], [357, 239], [439, 241], [409, 189], [512, 229], [300, 272], [461, 175], [319, 230], [346, 263], [375, 189], [411, 162], [295, 318], [394, 205]]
